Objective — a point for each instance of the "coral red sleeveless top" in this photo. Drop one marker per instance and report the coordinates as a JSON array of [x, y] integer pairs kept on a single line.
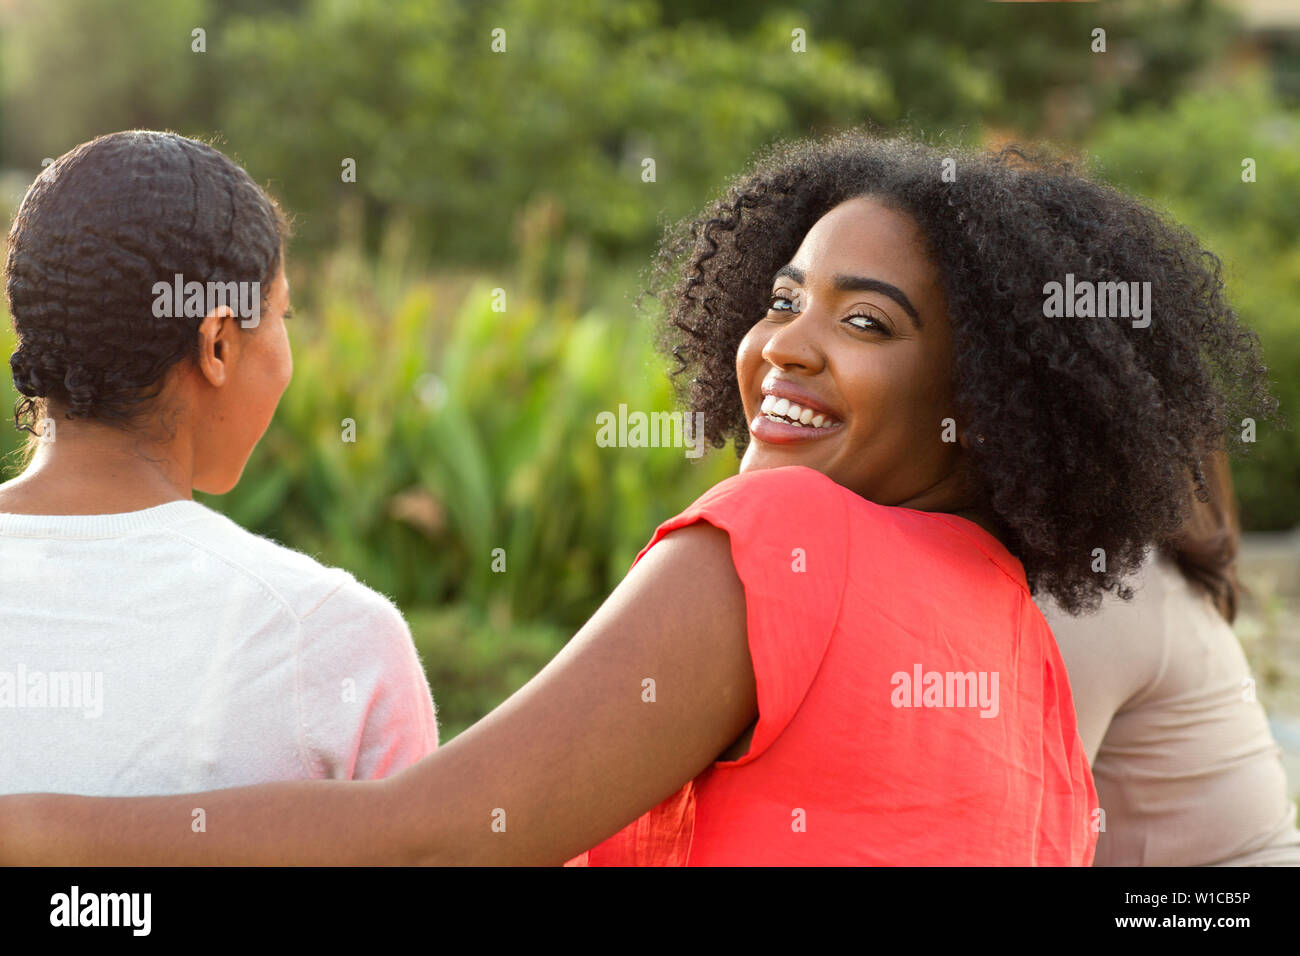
[[913, 707]]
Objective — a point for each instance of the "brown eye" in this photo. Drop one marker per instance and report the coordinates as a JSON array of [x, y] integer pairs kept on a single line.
[[867, 323]]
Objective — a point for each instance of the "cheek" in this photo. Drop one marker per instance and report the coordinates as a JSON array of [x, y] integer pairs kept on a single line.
[[749, 355], [280, 363], [890, 391], [919, 393], [270, 378], [286, 365], [749, 368]]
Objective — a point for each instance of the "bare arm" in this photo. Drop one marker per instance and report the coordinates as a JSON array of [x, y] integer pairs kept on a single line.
[[572, 757]]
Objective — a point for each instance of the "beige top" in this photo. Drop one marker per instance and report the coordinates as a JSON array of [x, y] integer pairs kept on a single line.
[[1187, 770]]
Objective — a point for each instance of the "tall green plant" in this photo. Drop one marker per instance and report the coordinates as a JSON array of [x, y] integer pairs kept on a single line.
[[414, 442]]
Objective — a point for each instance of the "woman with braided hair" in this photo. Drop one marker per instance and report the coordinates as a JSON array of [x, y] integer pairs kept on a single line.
[[147, 642]]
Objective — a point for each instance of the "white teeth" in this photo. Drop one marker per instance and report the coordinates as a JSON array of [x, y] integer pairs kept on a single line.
[[785, 411]]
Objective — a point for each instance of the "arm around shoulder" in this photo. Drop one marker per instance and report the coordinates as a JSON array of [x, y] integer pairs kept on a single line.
[[568, 760], [641, 701]]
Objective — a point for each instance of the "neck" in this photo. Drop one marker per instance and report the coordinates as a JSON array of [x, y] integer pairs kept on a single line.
[[952, 495], [95, 468]]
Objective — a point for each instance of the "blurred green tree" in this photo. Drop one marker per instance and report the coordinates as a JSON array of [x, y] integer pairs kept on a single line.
[[458, 138]]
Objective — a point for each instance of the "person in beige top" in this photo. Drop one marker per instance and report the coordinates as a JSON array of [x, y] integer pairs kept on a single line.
[[1186, 768]]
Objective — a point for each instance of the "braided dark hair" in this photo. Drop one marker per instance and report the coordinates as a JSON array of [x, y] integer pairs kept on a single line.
[[96, 230], [1094, 430]]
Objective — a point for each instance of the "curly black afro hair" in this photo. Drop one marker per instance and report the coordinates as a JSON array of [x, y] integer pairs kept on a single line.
[[95, 232], [1094, 431]]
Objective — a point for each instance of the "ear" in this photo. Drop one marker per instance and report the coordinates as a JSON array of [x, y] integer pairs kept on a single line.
[[218, 345]]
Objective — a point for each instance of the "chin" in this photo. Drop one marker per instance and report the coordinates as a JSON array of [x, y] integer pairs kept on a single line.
[[769, 458]]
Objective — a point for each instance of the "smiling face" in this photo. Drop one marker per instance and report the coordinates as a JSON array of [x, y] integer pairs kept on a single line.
[[858, 339]]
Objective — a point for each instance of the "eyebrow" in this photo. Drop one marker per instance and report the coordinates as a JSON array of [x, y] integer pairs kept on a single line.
[[843, 283]]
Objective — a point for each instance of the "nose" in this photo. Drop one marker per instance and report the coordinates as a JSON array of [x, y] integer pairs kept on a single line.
[[795, 344]]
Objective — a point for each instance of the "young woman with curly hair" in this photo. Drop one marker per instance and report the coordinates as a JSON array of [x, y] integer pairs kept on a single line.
[[832, 657]]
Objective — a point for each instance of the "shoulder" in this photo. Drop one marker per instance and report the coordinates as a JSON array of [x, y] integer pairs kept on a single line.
[[1198, 641], [772, 510], [296, 580], [769, 499], [790, 537], [803, 506], [354, 606], [779, 481], [1121, 647]]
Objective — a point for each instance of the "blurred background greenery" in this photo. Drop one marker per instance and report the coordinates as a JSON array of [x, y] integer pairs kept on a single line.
[[522, 171]]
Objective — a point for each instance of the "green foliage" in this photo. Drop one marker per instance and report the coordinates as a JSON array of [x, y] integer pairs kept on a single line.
[[451, 132], [12, 442], [473, 664], [475, 430], [445, 132], [76, 69]]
